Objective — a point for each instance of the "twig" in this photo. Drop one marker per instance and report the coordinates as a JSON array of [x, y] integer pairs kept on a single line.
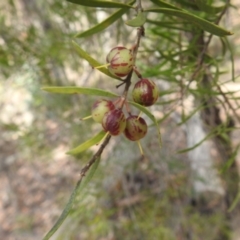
[[228, 103], [127, 83], [95, 156]]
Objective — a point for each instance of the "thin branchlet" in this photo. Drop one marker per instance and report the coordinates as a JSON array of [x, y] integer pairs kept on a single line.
[[127, 82]]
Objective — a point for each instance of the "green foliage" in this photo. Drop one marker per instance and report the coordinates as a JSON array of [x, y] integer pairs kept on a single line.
[[89, 143], [103, 4], [80, 90], [206, 7], [199, 22], [103, 25]]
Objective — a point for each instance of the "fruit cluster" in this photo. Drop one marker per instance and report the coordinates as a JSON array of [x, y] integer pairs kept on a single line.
[[120, 62], [114, 122]]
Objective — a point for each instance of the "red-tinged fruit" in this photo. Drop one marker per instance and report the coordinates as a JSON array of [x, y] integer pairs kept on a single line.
[[114, 122], [100, 108], [136, 128], [120, 61], [145, 92]]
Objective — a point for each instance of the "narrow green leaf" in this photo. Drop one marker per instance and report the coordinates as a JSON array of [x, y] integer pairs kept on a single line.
[[205, 7], [172, 25], [103, 4], [232, 53], [78, 188], [165, 4], [81, 90], [186, 118], [197, 144], [151, 116], [92, 61], [230, 161], [89, 143], [138, 21], [165, 116], [235, 202], [104, 24], [200, 22]]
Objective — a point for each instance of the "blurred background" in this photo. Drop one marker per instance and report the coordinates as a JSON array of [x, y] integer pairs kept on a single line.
[[165, 194]]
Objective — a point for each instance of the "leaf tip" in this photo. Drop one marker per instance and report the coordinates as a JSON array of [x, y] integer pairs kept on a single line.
[[70, 152]]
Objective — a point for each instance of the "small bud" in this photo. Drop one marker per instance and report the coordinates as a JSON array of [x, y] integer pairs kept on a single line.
[[100, 108], [114, 122], [120, 61], [136, 128], [145, 92]]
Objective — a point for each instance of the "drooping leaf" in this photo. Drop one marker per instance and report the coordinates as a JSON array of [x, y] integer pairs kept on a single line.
[[92, 61], [80, 90], [102, 4], [151, 116], [200, 22], [81, 184], [89, 143], [104, 24], [138, 21]]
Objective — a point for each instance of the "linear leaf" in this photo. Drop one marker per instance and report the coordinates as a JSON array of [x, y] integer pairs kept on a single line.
[[202, 23], [171, 25], [89, 143], [231, 51], [235, 202], [230, 161], [186, 118], [104, 24], [151, 116], [78, 188], [165, 4], [197, 144], [81, 90], [92, 61], [203, 6], [103, 4]]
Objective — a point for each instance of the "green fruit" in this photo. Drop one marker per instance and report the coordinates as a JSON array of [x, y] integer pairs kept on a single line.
[[136, 128], [114, 122], [145, 92], [120, 61], [100, 108]]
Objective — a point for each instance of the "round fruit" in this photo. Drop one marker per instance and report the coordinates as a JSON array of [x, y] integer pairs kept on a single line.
[[145, 92], [120, 61], [114, 122], [100, 108], [136, 128]]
